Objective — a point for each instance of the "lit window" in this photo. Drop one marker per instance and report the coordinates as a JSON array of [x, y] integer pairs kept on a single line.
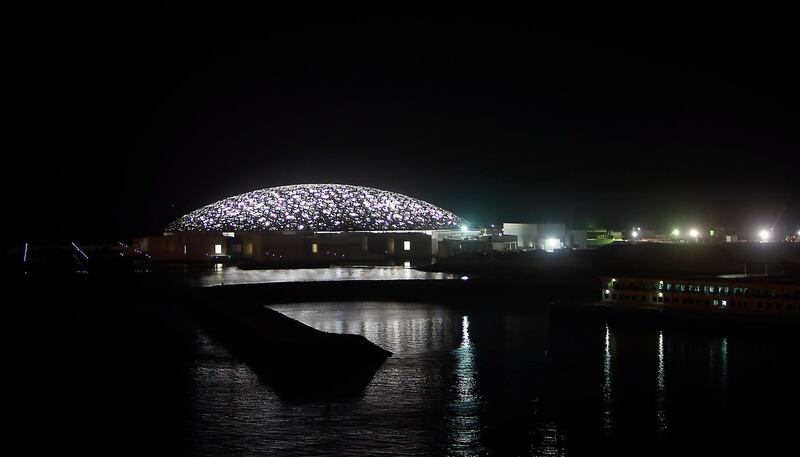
[[228, 234], [217, 249], [406, 245], [314, 248]]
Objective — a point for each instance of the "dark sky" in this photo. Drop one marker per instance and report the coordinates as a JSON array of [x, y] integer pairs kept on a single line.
[[131, 118]]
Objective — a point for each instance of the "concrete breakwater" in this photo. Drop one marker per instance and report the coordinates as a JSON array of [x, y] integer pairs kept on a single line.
[[295, 359]]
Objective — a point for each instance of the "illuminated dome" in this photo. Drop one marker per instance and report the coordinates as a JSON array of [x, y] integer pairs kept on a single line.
[[319, 208]]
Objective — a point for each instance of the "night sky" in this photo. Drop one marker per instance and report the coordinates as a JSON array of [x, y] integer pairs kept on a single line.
[[128, 119]]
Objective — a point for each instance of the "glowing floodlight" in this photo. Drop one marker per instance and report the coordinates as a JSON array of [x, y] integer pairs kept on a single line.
[[694, 233], [676, 232], [464, 228], [764, 235], [635, 234], [551, 244]]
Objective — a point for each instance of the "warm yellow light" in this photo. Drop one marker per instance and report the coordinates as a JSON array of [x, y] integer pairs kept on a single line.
[[694, 233]]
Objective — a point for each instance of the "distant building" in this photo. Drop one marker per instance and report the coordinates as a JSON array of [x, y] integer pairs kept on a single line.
[[306, 223], [722, 235], [591, 238], [484, 243], [537, 236]]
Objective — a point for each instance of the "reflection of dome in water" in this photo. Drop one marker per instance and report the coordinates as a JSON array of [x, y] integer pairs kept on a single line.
[[319, 208]]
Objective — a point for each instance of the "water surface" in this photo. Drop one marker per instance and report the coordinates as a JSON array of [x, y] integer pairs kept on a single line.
[[509, 383], [231, 275]]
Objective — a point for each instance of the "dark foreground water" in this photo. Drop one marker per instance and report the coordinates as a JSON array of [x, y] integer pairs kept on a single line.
[[510, 383], [459, 383]]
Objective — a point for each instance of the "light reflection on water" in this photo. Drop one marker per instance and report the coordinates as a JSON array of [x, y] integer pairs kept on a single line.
[[608, 400], [473, 383], [464, 426], [723, 355], [661, 414], [233, 275]]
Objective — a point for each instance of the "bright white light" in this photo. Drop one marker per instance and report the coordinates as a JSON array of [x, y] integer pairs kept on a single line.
[[635, 233], [551, 244], [676, 232], [464, 228], [464, 278], [406, 245], [217, 249], [25, 254], [764, 235], [694, 233]]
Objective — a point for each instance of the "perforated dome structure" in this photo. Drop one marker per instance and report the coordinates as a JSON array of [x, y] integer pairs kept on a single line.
[[319, 208]]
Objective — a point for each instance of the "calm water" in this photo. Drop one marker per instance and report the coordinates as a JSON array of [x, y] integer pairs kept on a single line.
[[508, 383], [233, 275]]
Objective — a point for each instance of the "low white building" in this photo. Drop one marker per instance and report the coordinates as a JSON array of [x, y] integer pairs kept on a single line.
[[537, 236]]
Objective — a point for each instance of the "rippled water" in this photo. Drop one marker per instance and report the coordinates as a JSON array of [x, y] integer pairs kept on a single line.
[[233, 275], [509, 383]]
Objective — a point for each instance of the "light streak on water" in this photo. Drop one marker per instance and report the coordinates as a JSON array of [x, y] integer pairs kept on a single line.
[[608, 419], [464, 426], [661, 415], [723, 354]]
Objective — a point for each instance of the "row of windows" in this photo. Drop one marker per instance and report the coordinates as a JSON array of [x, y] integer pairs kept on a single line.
[[698, 301], [707, 289]]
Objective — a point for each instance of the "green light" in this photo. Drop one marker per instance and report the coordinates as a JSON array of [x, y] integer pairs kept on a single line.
[[676, 232]]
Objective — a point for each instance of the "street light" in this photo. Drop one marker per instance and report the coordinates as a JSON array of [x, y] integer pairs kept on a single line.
[[676, 233], [634, 234], [694, 233], [764, 235]]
